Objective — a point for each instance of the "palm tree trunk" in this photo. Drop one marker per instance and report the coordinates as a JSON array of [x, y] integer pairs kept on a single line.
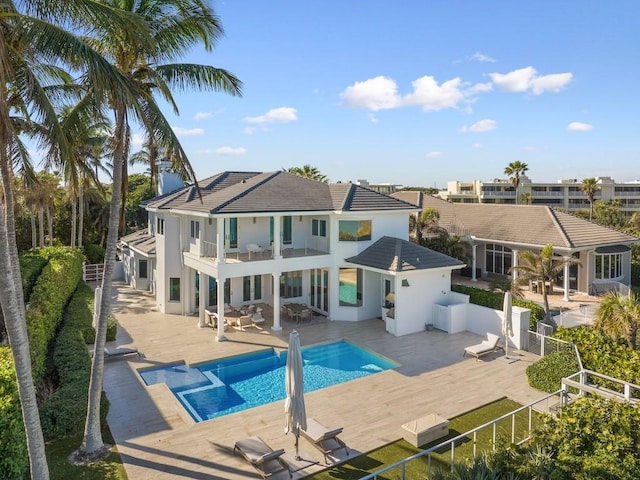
[[73, 219], [34, 229], [41, 225], [50, 225], [93, 446], [12, 301], [80, 214], [545, 299]]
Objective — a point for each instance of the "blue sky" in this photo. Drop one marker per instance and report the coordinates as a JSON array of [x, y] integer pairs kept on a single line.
[[421, 92]]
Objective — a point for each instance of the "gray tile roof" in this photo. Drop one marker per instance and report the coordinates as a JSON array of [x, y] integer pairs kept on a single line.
[[141, 241], [253, 192], [535, 225], [396, 255]]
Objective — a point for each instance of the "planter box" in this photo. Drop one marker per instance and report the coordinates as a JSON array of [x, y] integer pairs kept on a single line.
[[425, 429]]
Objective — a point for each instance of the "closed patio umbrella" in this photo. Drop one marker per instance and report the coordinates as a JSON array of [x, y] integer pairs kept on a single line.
[[296, 415], [507, 322]]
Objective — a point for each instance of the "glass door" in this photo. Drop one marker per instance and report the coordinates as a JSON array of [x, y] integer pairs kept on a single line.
[[319, 282]]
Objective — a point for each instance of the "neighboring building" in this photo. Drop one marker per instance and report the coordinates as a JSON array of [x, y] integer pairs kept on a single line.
[[496, 233], [250, 237], [565, 194], [385, 188]]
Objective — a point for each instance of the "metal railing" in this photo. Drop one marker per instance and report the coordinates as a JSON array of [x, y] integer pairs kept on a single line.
[[590, 382], [451, 444], [541, 344], [92, 272]]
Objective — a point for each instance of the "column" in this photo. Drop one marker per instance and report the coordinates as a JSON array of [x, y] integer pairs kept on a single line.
[[220, 286], [514, 272], [277, 241], [566, 280], [473, 262], [203, 294], [220, 243], [276, 296]]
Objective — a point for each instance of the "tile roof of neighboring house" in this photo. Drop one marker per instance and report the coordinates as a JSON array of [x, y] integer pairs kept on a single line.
[[396, 255], [253, 192], [141, 240], [535, 225]]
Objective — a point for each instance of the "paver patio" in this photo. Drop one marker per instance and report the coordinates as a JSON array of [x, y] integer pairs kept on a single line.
[[158, 440]]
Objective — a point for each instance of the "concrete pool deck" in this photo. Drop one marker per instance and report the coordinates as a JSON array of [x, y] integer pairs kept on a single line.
[[158, 440]]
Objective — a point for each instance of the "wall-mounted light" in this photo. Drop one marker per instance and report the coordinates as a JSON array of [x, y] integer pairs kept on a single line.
[[300, 218], [254, 219], [405, 282]]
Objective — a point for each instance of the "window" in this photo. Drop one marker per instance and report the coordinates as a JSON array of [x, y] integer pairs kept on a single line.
[[160, 226], [354, 230], [351, 287], [174, 289], [318, 228], [257, 287], [195, 229], [286, 230], [142, 268], [608, 266], [498, 259], [246, 289], [291, 284], [232, 238]]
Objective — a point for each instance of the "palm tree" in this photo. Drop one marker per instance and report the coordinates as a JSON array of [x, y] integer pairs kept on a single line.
[[504, 286], [175, 26], [618, 316], [542, 266], [526, 198], [514, 170], [425, 221], [589, 188], [307, 171], [32, 41]]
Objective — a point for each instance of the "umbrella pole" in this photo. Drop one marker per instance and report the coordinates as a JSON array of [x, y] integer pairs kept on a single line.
[[297, 434]]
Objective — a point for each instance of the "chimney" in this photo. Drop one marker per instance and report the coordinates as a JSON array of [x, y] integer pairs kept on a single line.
[[167, 180]]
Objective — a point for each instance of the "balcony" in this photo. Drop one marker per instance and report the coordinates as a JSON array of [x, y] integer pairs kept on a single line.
[[209, 250]]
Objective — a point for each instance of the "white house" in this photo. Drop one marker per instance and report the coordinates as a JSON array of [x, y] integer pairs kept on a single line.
[[273, 237]]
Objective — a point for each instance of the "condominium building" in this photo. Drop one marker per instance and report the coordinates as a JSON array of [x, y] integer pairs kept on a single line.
[[564, 194]]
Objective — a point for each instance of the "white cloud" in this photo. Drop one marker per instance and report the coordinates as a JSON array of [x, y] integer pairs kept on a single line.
[[275, 115], [481, 57], [202, 115], [188, 132], [230, 151], [527, 79], [373, 118], [529, 148], [579, 127], [485, 125], [374, 94], [137, 140], [431, 96], [435, 155], [478, 145], [381, 93]]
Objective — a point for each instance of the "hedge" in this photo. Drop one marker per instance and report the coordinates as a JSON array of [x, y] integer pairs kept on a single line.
[[31, 265], [65, 411], [487, 298], [56, 284], [14, 459], [547, 373]]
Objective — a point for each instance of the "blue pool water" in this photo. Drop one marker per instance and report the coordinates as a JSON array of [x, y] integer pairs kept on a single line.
[[237, 383]]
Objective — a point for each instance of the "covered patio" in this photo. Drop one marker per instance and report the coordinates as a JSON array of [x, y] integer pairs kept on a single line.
[[158, 440]]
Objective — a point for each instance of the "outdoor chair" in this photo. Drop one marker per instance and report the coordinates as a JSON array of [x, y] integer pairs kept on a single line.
[[257, 318], [244, 321], [262, 457], [486, 346], [254, 248], [304, 314], [323, 439]]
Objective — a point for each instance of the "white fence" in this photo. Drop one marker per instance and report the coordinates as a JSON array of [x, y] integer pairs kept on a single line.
[[92, 272]]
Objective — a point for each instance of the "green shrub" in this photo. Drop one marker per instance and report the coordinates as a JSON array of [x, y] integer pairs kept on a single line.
[[31, 265], [14, 460], [486, 298], [547, 373], [54, 287], [94, 253]]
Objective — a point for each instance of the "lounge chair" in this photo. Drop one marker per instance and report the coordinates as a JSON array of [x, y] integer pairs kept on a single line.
[[257, 318], [261, 456], [486, 346], [323, 439], [254, 248], [245, 321]]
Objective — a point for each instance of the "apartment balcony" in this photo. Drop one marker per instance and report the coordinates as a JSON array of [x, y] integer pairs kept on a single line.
[[538, 194], [261, 254], [498, 194]]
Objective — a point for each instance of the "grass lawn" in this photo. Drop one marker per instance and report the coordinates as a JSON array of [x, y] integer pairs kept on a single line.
[[61, 469], [374, 460]]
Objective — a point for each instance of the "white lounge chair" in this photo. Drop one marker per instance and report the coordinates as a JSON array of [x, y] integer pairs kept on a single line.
[[262, 457], [486, 346], [323, 439]]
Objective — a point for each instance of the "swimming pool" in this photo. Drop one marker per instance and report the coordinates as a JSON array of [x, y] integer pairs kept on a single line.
[[237, 383]]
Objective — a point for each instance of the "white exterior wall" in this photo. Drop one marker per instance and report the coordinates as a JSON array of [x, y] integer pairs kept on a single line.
[[483, 320], [169, 254], [414, 304]]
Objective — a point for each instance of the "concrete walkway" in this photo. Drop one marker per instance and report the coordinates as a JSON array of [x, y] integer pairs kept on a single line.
[[158, 440]]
